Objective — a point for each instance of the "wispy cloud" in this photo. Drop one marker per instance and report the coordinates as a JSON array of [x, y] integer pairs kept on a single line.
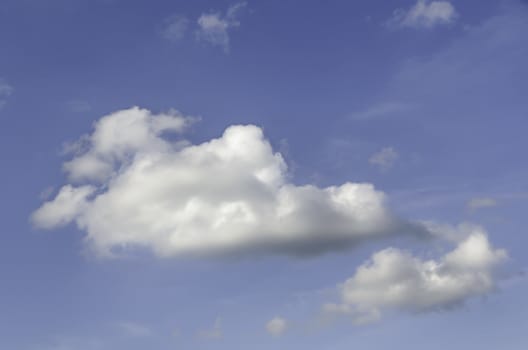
[[477, 203], [175, 27], [381, 110], [214, 27], [385, 158], [5, 91], [277, 326], [425, 14]]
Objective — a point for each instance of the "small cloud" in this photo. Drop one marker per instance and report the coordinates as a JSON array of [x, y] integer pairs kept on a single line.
[[214, 333], [475, 204], [78, 106], [381, 110], [214, 27], [384, 159], [276, 326], [425, 14], [393, 279], [135, 330], [5, 91], [175, 27]]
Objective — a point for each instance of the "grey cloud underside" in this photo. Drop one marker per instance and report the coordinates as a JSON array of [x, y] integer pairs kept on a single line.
[[132, 188]]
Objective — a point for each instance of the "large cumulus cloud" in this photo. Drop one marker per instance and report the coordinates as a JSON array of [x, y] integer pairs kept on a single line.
[[133, 185]]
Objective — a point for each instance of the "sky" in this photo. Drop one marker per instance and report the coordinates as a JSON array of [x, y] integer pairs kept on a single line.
[[263, 174]]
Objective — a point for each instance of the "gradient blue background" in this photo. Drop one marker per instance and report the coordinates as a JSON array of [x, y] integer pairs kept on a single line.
[[304, 71]]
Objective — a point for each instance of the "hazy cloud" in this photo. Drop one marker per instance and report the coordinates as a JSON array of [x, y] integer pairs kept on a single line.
[[384, 159], [425, 14], [475, 204], [276, 326], [381, 110], [214, 27], [175, 27], [5, 91]]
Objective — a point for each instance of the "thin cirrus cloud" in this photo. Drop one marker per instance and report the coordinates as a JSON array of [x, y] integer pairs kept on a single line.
[[395, 280], [478, 203], [425, 14], [131, 187]]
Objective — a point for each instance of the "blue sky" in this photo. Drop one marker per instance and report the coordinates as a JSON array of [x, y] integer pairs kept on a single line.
[[379, 197]]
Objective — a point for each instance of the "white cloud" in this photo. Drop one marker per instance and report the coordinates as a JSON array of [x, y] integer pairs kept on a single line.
[[425, 14], [276, 326], [385, 158], [131, 187], [214, 333], [394, 279], [475, 204], [175, 28], [5, 91], [67, 205], [214, 27]]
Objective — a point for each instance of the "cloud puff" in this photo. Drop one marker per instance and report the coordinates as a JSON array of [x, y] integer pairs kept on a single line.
[[475, 204], [175, 28], [214, 27], [394, 279], [425, 14], [276, 326], [385, 158], [134, 187], [5, 91]]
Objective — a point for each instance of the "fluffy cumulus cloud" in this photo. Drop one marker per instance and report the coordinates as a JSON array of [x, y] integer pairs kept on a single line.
[[425, 14], [134, 184], [214, 28], [384, 159], [276, 326], [394, 279]]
